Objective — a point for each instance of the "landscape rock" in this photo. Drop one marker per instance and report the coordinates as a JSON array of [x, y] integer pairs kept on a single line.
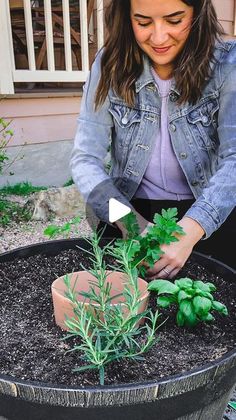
[[62, 202]]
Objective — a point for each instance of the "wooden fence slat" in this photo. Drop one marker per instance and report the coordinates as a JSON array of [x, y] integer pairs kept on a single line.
[[49, 35], [67, 35], [29, 34], [84, 35]]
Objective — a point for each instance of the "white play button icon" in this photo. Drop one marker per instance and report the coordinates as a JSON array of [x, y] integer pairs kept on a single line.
[[117, 210]]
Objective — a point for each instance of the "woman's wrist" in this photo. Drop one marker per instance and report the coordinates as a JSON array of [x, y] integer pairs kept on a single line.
[[192, 228]]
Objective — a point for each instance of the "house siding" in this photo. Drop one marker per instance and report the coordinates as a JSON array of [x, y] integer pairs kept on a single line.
[[41, 119], [225, 12]]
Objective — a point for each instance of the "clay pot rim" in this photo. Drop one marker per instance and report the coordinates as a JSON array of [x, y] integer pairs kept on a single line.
[[143, 296]]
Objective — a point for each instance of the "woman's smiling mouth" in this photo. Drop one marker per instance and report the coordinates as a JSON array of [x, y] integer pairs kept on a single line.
[[161, 50]]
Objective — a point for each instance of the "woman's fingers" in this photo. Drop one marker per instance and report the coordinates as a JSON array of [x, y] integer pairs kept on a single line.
[[166, 273]]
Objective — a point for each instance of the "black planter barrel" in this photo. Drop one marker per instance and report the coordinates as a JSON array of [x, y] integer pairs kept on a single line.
[[201, 394]]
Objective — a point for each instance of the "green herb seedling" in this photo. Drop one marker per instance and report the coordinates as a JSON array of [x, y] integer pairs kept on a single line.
[[54, 230], [114, 335], [146, 247], [6, 135], [193, 298]]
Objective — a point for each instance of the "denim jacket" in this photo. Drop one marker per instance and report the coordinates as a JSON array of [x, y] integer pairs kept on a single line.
[[203, 137]]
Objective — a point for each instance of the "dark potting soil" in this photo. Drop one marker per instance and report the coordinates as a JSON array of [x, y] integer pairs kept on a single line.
[[30, 343]]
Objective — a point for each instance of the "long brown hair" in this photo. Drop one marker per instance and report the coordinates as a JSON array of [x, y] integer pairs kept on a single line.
[[122, 58]]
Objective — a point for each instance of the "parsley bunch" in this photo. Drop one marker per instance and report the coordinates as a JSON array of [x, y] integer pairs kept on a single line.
[[146, 247]]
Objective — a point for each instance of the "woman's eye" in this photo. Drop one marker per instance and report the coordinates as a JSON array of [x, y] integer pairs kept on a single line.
[[144, 24], [174, 22]]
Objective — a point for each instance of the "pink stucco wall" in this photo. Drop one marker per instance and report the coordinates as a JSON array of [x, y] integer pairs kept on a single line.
[[41, 120]]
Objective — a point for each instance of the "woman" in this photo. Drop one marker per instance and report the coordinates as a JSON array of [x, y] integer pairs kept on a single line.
[[163, 91]]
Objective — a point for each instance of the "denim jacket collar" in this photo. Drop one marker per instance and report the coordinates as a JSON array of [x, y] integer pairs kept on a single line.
[[146, 77]]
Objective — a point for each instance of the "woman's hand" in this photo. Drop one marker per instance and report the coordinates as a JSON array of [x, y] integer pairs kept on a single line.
[[176, 254]]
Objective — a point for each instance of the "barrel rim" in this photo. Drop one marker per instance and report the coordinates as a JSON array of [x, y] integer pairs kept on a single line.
[[39, 247], [227, 358]]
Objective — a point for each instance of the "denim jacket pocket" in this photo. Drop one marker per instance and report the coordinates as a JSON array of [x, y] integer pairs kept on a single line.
[[203, 124], [126, 122]]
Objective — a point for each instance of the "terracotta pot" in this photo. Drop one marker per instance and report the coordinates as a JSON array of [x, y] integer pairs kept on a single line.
[[79, 280]]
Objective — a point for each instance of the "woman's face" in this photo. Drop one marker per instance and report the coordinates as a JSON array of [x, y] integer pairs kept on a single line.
[[161, 28]]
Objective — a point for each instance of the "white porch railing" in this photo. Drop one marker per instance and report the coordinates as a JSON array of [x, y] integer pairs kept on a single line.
[[9, 74]]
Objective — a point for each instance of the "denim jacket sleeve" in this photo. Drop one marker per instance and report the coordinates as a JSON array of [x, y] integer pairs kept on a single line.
[[218, 199], [90, 149]]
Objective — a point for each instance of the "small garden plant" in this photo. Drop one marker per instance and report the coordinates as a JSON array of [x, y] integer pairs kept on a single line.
[[6, 135], [146, 247], [11, 211], [54, 230], [193, 298], [106, 333], [21, 189]]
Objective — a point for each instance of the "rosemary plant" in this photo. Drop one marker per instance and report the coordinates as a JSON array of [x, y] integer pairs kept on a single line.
[[105, 332]]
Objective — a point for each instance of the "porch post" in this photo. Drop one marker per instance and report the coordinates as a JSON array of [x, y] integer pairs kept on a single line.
[[6, 50]]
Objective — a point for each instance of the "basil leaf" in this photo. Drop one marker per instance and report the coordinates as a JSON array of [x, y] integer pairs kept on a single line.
[[198, 284], [163, 286], [184, 283], [183, 295], [186, 307], [201, 305], [164, 301], [180, 320], [219, 307]]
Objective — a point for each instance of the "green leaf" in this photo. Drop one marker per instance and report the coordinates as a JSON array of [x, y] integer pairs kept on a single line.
[[204, 294], [183, 295], [218, 306], [163, 286], [202, 305], [205, 287], [186, 307], [170, 213], [165, 301], [180, 319], [130, 223], [51, 230], [154, 253], [207, 317], [83, 368], [101, 375], [211, 286], [142, 271], [184, 283], [191, 320], [139, 358], [76, 220]]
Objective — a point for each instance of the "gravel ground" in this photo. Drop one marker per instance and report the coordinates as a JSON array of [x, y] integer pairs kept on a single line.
[[27, 233]]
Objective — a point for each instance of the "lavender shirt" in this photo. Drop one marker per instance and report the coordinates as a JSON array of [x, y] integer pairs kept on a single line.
[[164, 178]]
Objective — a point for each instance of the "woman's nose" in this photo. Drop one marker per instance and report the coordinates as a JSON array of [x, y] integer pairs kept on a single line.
[[159, 34]]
